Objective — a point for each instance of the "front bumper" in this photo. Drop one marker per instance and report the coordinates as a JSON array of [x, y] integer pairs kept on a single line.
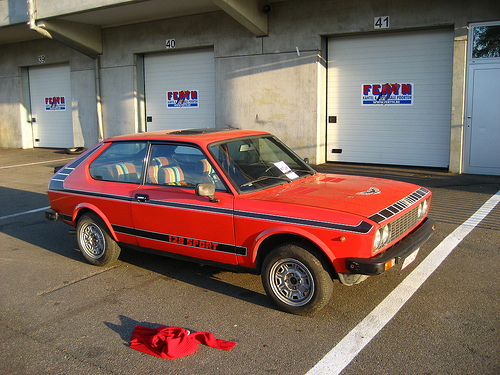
[[397, 253]]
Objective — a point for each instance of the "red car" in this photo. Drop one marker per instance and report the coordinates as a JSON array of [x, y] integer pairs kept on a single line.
[[244, 200]]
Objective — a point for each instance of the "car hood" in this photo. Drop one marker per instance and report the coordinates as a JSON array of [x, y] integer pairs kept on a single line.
[[363, 196]]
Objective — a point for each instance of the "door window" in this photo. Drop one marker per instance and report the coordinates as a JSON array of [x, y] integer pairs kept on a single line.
[[180, 165]]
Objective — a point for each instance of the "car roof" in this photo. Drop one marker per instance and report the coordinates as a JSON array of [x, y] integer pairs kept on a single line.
[[199, 136]]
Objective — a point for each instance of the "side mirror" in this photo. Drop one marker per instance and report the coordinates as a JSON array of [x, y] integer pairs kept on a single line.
[[206, 190]]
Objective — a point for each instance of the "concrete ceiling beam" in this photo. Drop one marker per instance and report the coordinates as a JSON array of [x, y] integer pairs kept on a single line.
[[84, 38], [247, 13]]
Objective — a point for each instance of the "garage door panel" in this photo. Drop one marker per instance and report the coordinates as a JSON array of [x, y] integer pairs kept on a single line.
[[394, 43], [400, 147], [174, 72], [415, 134], [428, 73], [369, 130], [52, 125], [358, 155]]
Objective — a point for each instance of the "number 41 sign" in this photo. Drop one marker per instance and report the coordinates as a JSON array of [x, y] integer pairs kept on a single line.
[[381, 22]]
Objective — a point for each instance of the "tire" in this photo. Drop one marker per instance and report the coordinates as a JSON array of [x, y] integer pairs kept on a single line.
[[94, 241], [296, 280]]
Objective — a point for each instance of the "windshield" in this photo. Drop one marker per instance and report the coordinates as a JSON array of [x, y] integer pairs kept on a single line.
[[259, 162]]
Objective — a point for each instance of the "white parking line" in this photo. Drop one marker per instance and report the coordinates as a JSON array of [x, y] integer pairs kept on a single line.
[[346, 350], [24, 165], [24, 213], [38, 162]]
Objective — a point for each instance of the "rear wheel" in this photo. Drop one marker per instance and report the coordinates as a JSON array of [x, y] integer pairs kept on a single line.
[[96, 244], [296, 280]]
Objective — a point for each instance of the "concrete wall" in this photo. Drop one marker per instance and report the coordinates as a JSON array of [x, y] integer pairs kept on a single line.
[[15, 11], [275, 83], [15, 128], [273, 91]]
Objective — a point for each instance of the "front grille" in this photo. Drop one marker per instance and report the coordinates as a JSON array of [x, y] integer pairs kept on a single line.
[[404, 223], [399, 206]]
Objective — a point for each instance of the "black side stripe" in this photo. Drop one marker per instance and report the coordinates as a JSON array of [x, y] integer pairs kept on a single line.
[[98, 195], [183, 241], [363, 227]]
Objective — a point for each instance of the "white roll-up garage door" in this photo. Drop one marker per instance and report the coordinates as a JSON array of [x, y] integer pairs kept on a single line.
[[50, 94], [389, 98], [180, 90]]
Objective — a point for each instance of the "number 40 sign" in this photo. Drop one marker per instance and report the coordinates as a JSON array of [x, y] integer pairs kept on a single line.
[[381, 22], [170, 43]]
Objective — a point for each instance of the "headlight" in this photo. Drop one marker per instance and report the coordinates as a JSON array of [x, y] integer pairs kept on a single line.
[[422, 208], [386, 234], [382, 237], [378, 237]]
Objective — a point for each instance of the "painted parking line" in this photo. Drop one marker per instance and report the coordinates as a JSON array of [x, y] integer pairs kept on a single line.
[[349, 347], [38, 162], [24, 213], [24, 165]]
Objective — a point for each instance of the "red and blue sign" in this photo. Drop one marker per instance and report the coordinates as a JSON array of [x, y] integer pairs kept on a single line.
[[183, 99], [55, 103], [387, 94]]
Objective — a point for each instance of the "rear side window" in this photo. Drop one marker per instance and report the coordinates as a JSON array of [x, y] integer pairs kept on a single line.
[[120, 162]]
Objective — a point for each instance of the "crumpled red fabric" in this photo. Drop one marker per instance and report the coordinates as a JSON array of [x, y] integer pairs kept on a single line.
[[173, 342]]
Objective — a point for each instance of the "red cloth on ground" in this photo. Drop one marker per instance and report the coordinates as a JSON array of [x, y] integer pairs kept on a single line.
[[173, 342]]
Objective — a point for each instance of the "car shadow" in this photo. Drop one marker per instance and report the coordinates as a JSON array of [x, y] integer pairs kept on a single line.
[[196, 274], [34, 229], [23, 222]]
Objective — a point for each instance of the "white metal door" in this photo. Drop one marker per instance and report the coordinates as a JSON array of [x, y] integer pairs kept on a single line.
[[483, 121], [389, 98], [180, 90], [482, 134], [50, 95]]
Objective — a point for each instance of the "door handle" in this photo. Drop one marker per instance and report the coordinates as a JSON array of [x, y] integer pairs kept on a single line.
[[141, 197]]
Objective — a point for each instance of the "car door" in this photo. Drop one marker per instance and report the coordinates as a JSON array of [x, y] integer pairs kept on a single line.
[[169, 216], [114, 175]]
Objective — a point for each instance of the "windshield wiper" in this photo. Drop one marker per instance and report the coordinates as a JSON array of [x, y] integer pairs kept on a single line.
[[308, 171], [282, 178], [262, 178]]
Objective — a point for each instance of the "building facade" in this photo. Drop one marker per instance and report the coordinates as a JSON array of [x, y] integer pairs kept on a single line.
[[382, 82]]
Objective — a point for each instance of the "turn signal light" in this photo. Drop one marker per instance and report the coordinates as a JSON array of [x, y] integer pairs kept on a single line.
[[389, 264]]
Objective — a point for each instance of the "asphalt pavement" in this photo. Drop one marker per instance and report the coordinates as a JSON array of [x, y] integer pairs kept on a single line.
[[61, 315]]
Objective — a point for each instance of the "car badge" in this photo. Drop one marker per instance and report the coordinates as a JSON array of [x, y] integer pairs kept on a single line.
[[370, 191]]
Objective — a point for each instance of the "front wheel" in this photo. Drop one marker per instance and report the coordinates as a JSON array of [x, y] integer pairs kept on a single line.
[[96, 244], [296, 280]]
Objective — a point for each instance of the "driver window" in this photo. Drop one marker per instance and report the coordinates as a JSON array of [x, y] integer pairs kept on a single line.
[[180, 165]]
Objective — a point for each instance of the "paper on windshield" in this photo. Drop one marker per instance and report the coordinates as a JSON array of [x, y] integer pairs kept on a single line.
[[283, 167]]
